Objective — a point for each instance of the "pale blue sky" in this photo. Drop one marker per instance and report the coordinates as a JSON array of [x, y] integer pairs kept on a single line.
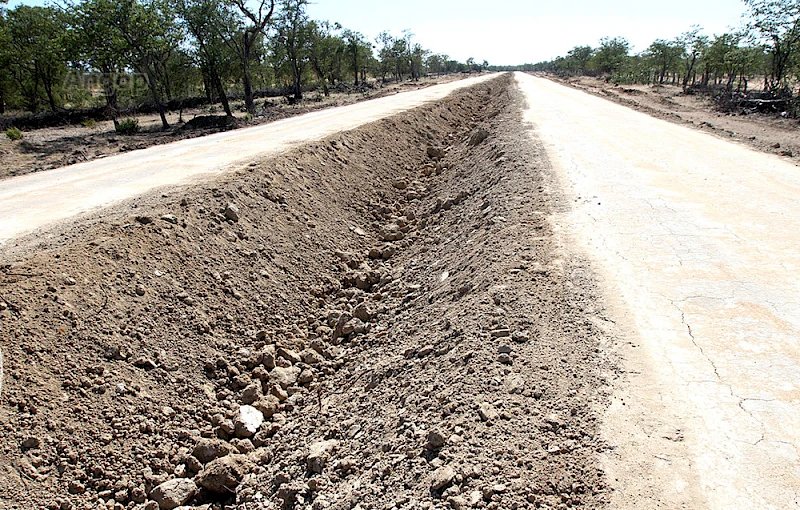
[[519, 31]]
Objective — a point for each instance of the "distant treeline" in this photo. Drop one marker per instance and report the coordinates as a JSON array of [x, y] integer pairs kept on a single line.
[[119, 55], [763, 54]]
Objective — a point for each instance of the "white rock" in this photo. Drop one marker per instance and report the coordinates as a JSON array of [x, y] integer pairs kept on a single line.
[[475, 497], [248, 421]]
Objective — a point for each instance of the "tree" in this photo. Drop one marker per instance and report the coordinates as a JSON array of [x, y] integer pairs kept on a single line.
[[291, 42], [400, 56], [176, 48], [36, 52], [611, 54], [437, 63], [776, 23], [387, 54], [665, 57], [149, 34], [417, 57], [453, 66], [726, 59], [209, 23], [578, 58], [411, 56], [359, 52], [560, 65], [252, 24], [5, 59], [635, 69], [399, 51], [327, 53], [181, 75], [696, 46], [99, 47]]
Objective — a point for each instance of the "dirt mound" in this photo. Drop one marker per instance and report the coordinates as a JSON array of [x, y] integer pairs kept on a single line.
[[379, 320]]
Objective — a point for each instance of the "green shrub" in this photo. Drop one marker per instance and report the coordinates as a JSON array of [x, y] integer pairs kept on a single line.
[[128, 126], [14, 134], [89, 123]]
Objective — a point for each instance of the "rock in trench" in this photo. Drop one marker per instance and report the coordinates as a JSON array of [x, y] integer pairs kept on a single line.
[[319, 453], [435, 440], [248, 421], [435, 152], [477, 137], [232, 212], [285, 377], [174, 493], [488, 412], [268, 405], [207, 450], [223, 475], [442, 478]]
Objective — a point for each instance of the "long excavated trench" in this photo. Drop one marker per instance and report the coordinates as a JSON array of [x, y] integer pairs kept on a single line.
[[382, 319]]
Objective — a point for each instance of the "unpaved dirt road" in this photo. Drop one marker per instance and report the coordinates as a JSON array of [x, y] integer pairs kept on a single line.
[[697, 239], [35, 200]]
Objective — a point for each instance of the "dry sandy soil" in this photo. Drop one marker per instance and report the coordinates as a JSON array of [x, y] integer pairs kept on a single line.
[[767, 133], [383, 319], [45, 149]]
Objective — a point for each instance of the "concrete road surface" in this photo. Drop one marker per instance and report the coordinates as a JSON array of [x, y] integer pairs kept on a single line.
[[698, 240], [35, 200]]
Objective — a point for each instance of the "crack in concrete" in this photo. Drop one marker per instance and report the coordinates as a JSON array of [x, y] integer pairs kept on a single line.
[[694, 342], [687, 298], [750, 413], [740, 400]]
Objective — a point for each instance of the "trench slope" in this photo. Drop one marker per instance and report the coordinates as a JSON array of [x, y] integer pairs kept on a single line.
[[384, 318]]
